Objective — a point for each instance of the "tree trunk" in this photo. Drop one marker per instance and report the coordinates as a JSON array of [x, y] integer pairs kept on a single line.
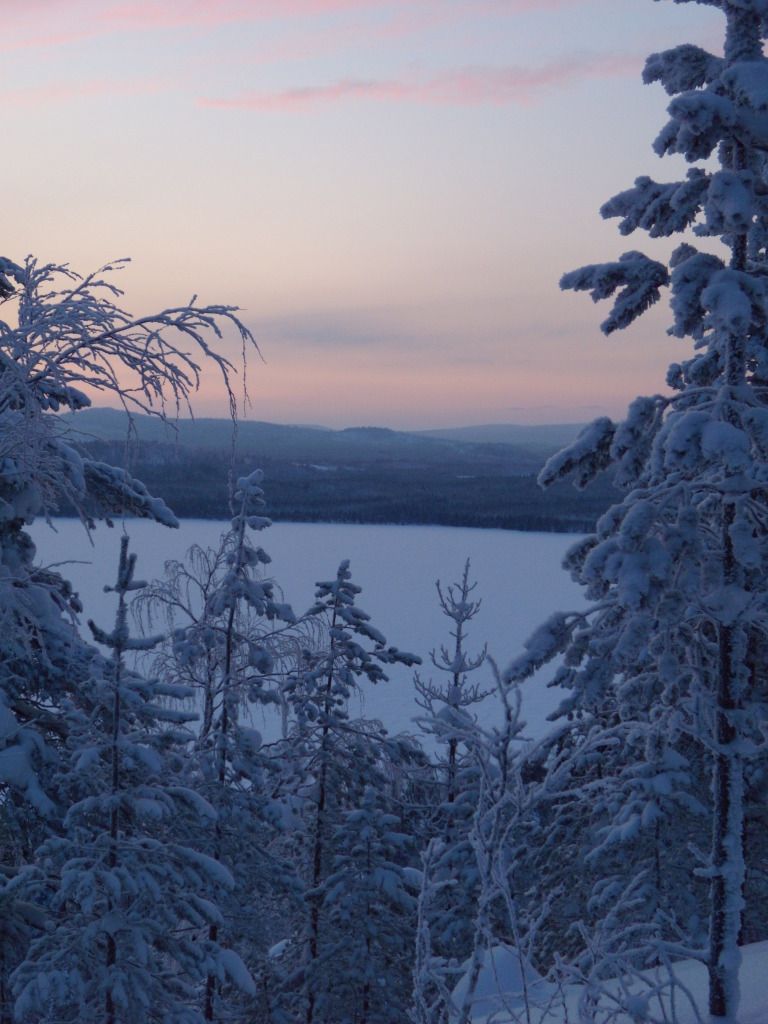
[[213, 931], [726, 900], [114, 817], [318, 844], [317, 866]]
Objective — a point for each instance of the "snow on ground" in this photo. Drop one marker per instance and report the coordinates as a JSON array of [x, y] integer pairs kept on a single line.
[[510, 992], [519, 579]]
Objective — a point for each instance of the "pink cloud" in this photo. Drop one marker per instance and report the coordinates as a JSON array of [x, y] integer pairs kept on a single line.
[[310, 40], [44, 23], [29, 24], [204, 13], [467, 87], [175, 13], [47, 23]]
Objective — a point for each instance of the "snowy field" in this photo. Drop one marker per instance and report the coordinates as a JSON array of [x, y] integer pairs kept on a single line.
[[518, 575]]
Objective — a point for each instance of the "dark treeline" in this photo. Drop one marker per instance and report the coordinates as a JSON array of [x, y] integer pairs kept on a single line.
[[195, 483]]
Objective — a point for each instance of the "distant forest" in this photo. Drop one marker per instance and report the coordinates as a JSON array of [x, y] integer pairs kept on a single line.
[[362, 475]]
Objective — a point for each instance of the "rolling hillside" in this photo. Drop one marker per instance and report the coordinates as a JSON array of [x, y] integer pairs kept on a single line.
[[361, 474]]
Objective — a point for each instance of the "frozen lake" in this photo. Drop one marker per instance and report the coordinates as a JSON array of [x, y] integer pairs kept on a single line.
[[518, 575]]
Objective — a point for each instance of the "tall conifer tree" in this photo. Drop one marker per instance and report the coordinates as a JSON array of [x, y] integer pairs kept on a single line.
[[675, 638], [130, 904]]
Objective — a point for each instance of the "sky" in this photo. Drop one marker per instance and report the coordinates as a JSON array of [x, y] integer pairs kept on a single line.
[[389, 189]]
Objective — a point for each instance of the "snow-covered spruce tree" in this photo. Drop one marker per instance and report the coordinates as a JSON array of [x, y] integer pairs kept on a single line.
[[227, 630], [675, 638], [369, 906], [339, 755], [63, 333], [130, 904], [499, 922], [614, 809], [448, 719], [444, 702]]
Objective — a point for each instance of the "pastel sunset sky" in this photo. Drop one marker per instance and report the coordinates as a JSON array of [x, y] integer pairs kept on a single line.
[[390, 189]]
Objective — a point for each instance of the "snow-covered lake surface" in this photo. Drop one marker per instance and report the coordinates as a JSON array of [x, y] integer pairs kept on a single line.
[[518, 577]]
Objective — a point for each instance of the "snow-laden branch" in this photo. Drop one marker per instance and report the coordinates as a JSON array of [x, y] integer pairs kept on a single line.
[[70, 334]]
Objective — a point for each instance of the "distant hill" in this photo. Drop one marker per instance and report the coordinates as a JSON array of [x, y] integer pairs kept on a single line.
[[112, 425], [321, 445], [358, 475]]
